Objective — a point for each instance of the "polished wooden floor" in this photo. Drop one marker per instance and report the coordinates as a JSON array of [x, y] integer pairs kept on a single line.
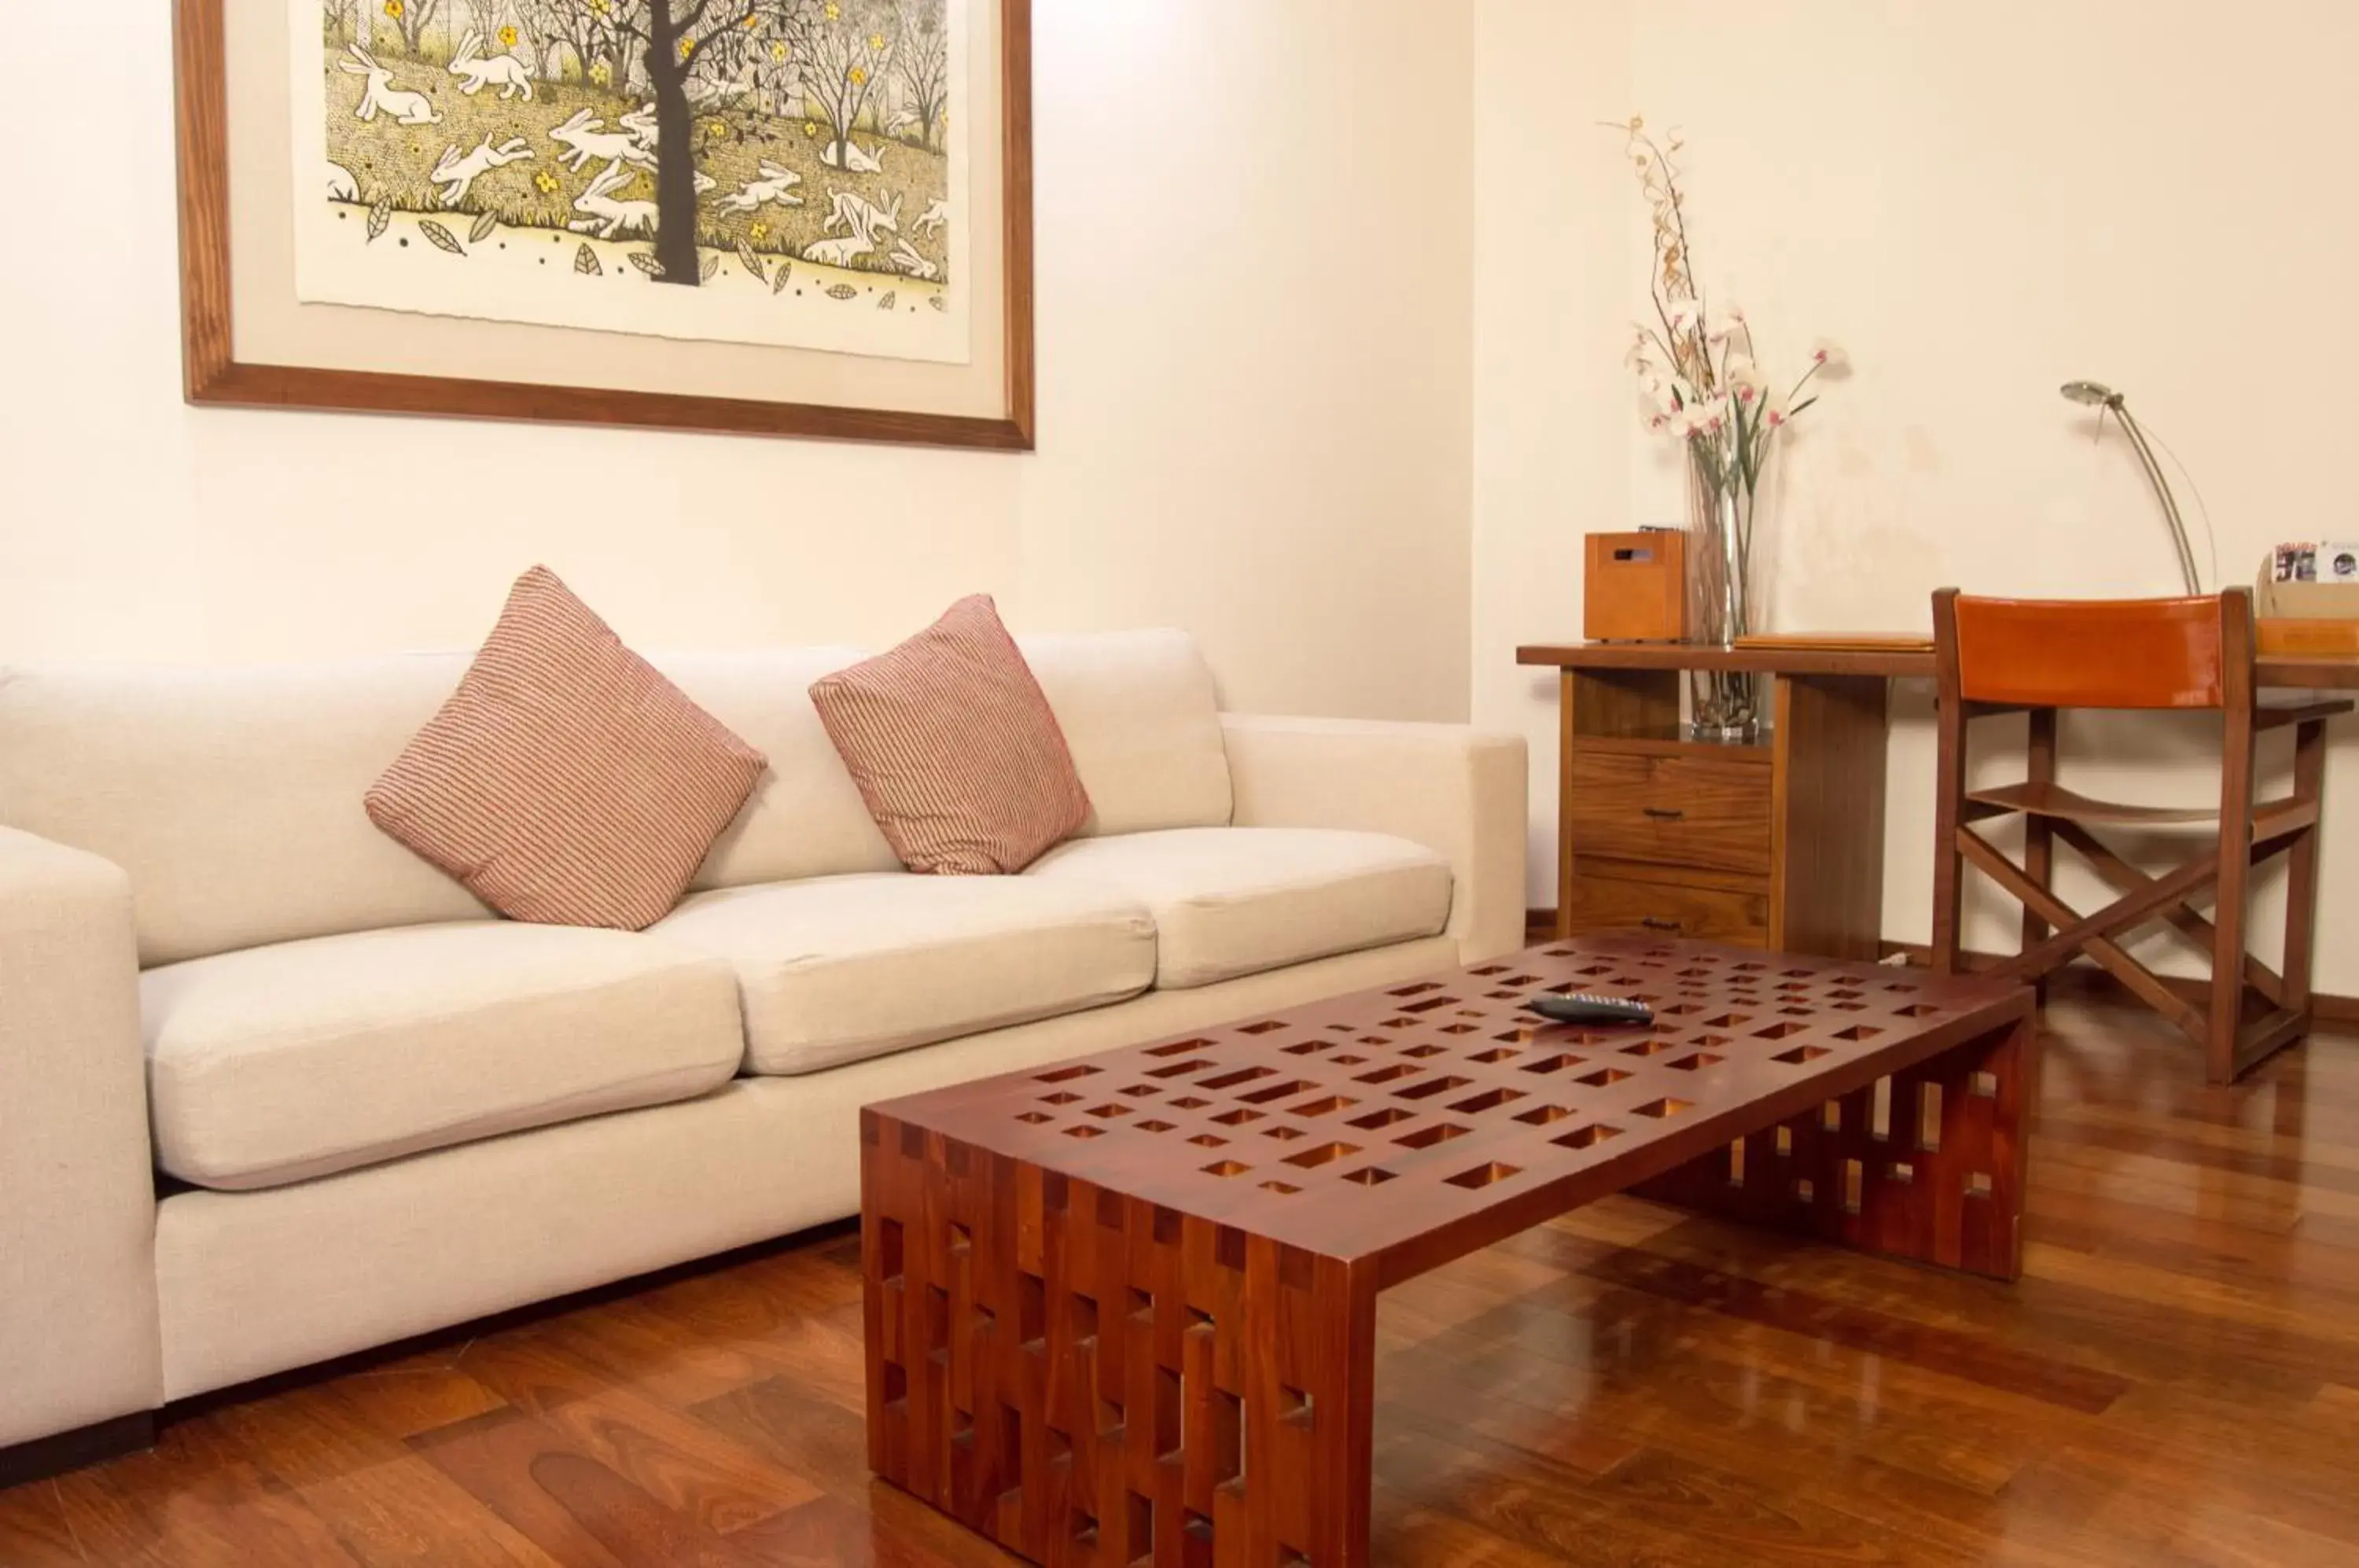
[[2176, 1380]]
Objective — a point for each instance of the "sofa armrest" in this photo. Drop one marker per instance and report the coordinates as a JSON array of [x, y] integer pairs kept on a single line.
[[77, 1322], [1458, 791]]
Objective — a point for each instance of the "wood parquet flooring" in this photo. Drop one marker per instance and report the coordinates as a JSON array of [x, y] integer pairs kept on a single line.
[[2174, 1381]]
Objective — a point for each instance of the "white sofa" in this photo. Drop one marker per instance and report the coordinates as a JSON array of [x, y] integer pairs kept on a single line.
[[273, 1090]]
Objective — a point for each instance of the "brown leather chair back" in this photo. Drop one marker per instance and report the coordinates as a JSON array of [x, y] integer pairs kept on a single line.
[[2098, 653]]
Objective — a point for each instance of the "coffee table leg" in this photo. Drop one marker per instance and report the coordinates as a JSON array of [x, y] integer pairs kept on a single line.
[[1093, 1381], [1927, 1166], [1339, 1340]]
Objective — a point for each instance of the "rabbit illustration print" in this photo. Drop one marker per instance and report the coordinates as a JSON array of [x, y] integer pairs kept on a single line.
[[783, 173]]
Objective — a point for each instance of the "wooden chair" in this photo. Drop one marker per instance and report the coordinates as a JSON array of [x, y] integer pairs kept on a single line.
[[2009, 654]]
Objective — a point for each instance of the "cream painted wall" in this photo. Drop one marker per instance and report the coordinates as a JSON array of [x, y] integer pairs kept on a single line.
[[1255, 404], [1551, 404], [1981, 203]]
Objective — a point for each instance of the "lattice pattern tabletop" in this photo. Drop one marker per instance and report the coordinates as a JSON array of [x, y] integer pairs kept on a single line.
[[1357, 1125]]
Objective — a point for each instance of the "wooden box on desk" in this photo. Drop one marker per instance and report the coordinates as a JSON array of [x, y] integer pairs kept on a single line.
[[1634, 588]]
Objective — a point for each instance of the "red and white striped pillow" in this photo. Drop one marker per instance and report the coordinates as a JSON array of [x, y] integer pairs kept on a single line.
[[954, 748], [566, 782]]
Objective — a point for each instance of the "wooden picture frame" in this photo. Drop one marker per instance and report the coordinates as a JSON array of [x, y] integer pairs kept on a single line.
[[215, 375]]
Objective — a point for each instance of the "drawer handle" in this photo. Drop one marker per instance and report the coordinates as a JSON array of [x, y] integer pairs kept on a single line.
[[1664, 814], [1656, 922]]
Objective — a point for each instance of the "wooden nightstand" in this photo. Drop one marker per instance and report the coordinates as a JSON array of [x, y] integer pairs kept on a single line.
[[1778, 845]]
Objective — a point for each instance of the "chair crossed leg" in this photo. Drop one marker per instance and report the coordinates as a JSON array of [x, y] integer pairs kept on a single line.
[[2146, 899]]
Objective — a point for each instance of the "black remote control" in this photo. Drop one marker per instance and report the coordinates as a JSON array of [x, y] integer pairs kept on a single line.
[[1589, 1007]]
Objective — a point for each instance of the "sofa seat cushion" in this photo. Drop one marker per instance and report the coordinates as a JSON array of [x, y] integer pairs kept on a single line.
[[838, 969], [276, 1065], [1233, 901]]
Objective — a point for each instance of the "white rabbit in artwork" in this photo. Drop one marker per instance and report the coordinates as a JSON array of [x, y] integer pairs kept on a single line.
[[641, 125], [604, 216], [864, 218], [587, 142], [861, 216], [935, 217], [839, 253], [502, 70], [382, 97], [902, 120], [461, 173], [906, 258], [847, 156], [776, 185], [342, 185]]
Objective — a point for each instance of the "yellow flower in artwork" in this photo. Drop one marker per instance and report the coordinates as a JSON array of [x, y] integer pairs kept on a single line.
[[546, 182], [835, 11], [877, 42], [602, 73], [753, 24], [810, 127], [687, 48], [602, 6], [760, 232], [779, 51], [392, 8], [860, 76], [507, 38]]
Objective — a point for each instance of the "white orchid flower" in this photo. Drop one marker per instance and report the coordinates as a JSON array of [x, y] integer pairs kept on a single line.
[[1684, 313], [1660, 397], [1744, 379], [1655, 404], [1726, 326], [1704, 421], [1829, 355]]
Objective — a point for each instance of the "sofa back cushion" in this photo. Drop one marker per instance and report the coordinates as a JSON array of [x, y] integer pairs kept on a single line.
[[233, 796], [806, 818], [1143, 723]]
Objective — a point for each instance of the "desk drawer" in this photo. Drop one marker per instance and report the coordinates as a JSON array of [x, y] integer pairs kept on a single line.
[[1709, 914], [1710, 813]]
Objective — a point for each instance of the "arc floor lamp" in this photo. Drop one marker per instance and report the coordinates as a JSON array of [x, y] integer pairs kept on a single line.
[[2097, 395]]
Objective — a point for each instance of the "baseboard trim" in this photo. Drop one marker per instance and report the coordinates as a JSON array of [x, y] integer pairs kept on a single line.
[[2088, 980], [60, 1452], [2077, 979]]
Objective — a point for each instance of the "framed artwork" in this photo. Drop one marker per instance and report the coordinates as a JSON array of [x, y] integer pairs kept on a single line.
[[783, 217]]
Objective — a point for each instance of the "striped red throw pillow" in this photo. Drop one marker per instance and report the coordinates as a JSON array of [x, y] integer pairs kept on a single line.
[[566, 782], [954, 748]]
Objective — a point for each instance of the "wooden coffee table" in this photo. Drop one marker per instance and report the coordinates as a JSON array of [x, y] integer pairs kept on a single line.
[[1123, 1310]]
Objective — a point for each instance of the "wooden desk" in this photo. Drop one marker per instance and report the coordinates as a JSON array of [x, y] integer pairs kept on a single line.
[[1779, 845]]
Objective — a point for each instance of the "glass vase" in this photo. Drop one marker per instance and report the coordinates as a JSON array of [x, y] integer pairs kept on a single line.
[[1722, 705]]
